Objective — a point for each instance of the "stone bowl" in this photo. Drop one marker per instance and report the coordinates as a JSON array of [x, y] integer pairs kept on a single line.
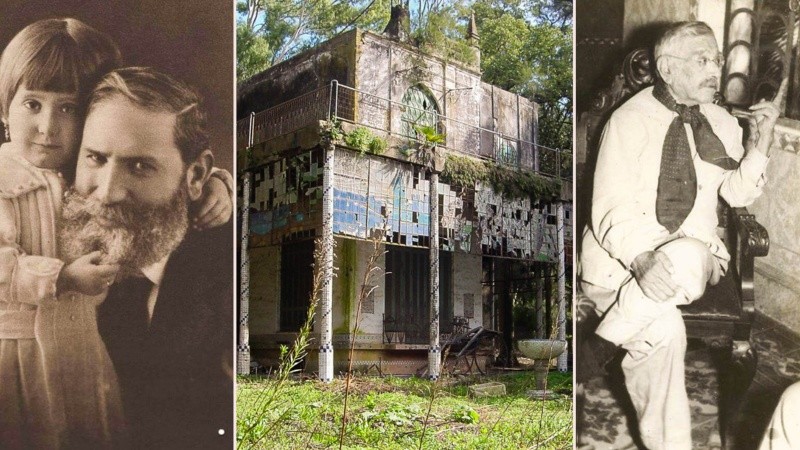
[[539, 349]]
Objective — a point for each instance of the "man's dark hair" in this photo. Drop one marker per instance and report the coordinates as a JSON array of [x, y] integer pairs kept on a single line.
[[155, 91]]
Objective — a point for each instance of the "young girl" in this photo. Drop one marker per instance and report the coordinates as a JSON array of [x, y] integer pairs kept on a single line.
[[58, 388]]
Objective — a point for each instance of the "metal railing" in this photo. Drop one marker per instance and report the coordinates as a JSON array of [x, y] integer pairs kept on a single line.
[[283, 118], [390, 118]]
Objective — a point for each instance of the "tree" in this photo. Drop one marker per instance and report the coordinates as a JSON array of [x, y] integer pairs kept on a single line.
[[532, 56], [270, 31]]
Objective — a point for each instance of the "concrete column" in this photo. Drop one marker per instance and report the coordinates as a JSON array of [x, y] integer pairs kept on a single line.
[[243, 346], [562, 294], [324, 310], [434, 352]]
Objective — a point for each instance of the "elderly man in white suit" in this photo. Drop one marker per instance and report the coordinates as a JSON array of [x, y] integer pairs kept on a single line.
[[666, 156]]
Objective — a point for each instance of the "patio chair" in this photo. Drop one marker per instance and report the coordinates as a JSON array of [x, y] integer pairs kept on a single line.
[[464, 349]]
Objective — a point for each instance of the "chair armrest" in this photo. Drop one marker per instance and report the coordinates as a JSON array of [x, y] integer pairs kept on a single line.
[[753, 237], [749, 240]]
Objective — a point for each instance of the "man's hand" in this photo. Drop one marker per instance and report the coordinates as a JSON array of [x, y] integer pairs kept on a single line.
[[762, 121], [653, 272], [87, 275]]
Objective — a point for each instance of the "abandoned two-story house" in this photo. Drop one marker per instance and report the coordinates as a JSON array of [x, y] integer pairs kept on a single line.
[[366, 137]]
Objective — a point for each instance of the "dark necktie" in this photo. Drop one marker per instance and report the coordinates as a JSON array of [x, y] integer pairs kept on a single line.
[[677, 180], [123, 319]]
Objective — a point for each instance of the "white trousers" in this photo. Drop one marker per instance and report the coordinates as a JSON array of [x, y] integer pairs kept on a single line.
[[783, 432], [654, 335]]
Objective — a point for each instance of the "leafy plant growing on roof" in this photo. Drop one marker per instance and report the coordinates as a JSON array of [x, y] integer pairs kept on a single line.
[[422, 152], [465, 172], [364, 141]]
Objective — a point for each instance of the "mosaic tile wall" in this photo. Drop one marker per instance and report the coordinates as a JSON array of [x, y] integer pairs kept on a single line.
[[376, 193], [548, 230], [369, 190], [286, 198], [510, 227], [457, 230]]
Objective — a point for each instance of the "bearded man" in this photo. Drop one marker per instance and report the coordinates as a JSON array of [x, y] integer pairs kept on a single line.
[[666, 156], [167, 321]]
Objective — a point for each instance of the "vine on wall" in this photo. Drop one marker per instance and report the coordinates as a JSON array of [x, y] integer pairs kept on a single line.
[[463, 171]]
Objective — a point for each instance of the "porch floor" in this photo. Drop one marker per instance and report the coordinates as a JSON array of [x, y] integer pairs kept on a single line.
[[607, 425]]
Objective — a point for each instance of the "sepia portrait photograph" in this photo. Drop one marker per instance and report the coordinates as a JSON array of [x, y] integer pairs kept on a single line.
[[116, 225], [687, 138]]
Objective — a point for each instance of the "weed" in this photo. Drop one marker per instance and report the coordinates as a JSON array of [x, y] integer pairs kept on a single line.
[[367, 288], [359, 139], [377, 146], [465, 414], [259, 421], [362, 139], [388, 413], [332, 130]]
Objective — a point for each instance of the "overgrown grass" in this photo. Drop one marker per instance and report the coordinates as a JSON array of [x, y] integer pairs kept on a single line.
[[389, 413]]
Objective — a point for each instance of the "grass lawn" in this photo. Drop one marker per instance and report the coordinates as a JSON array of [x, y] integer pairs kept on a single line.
[[390, 413]]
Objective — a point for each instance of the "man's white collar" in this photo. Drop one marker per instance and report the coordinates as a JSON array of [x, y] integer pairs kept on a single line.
[[155, 272]]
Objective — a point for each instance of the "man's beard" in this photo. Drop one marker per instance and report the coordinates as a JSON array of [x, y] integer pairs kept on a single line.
[[136, 237]]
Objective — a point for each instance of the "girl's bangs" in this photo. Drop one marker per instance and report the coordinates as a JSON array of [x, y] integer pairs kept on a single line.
[[55, 68]]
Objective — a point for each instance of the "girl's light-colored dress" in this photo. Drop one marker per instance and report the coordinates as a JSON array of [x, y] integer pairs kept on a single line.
[[58, 388]]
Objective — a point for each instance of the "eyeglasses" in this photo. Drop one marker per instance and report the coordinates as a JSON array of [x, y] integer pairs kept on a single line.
[[703, 61]]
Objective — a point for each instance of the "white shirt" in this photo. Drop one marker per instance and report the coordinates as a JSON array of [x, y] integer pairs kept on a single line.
[[154, 273], [624, 222]]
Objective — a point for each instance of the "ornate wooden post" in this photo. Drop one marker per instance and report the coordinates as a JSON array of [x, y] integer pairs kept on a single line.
[[738, 44]]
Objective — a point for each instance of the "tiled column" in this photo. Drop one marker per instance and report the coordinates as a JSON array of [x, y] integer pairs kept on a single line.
[[326, 297], [562, 291], [243, 346], [434, 352]]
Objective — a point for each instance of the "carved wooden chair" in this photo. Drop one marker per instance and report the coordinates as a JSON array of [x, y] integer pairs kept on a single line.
[[723, 317]]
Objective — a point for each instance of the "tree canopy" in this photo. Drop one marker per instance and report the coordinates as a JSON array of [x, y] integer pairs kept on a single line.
[[526, 45]]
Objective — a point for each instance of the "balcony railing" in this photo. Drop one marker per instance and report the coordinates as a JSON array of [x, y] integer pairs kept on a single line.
[[386, 118]]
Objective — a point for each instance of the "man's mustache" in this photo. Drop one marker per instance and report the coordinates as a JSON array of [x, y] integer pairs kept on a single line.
[[130, 233], [120, 215]]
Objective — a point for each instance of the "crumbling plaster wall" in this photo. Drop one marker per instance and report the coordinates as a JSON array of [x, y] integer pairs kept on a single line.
[[467, 287], [305, 72], [351, 259], [265, 290], [387, 69]]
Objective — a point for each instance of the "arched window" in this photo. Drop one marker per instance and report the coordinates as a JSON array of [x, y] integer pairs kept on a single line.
[[419, 109]]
